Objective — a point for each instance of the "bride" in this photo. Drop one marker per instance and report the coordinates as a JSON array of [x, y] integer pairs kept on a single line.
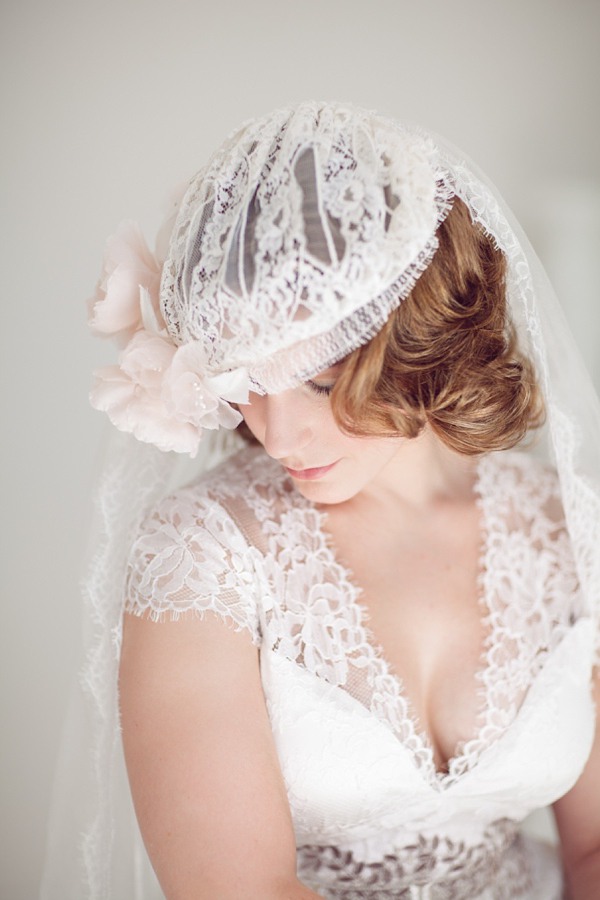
[[358, 652]]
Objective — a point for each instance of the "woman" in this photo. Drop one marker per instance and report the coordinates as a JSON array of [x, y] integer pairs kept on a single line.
[[359, 652]]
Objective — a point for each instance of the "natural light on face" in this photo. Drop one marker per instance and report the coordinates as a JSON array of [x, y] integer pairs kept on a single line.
[[298, 429]]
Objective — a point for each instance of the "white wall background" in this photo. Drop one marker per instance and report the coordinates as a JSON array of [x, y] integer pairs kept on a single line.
[[105, 106]]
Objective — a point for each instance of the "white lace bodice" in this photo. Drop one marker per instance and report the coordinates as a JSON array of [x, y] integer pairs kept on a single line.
[[373, 818]]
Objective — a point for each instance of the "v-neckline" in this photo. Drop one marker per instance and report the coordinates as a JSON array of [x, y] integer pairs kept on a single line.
[[399, 714]]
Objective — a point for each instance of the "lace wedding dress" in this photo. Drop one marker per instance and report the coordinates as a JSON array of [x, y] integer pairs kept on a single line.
[[373, 818]]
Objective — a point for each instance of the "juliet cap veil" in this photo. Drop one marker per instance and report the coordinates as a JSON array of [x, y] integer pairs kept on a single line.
[[289, 250]]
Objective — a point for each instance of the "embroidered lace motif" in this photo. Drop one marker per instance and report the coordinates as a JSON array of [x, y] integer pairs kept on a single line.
[[304, 216], [246, 546], [194, 558], [247, 534], [453, 869]]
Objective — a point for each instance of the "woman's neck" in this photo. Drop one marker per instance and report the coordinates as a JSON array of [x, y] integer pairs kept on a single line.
[[423, 473]]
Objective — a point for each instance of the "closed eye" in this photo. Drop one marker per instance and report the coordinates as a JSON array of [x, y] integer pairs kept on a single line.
[[321, 389]]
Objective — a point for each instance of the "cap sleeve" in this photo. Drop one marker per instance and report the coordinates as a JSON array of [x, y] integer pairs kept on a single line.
[[191, 557]]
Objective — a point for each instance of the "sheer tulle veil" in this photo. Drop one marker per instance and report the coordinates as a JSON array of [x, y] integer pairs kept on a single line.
[[94, 846]]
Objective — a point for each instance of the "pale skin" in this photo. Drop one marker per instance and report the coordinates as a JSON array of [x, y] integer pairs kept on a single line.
[[204, 773]]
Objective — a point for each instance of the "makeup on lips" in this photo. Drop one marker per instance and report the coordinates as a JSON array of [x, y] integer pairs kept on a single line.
[[310, 474]]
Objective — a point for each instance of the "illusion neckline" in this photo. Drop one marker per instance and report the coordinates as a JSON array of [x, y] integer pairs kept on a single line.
[[419, 742]]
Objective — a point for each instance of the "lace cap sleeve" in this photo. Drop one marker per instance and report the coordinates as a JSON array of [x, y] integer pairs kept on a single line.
[[190, 557]]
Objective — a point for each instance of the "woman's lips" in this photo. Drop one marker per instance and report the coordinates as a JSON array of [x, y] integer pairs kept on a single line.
[[310, 474]]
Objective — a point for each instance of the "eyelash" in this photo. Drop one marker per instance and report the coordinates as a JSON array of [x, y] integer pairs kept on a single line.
[[323, 390]]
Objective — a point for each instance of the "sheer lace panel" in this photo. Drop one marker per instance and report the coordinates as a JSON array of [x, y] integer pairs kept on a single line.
[[245, 544], [191, 556], [297, 240], [529, 595]]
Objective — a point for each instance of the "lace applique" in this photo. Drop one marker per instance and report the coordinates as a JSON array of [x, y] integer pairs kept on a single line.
[[530, 590], [452, 869], [320, 621], [320, 198], [527, 575], [246, 535], [191, 556]]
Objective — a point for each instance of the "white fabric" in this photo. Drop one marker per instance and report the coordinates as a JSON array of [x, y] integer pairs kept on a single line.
[[95, 848], [297, 221], [367, 804]]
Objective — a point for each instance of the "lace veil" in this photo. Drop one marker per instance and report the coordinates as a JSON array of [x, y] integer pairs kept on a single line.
[[288, 250]]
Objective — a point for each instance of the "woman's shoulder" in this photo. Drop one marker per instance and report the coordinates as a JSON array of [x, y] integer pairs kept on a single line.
[[525, 518], [523, 488], [528, 540], [248, 484], [199, 547], [253, 473]]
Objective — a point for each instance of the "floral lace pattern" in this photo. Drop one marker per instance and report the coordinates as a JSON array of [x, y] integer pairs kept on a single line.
[[452, 869], [245, 545], [179, 567], [526, 283], [526, 556], [196, 557], [320, 219]]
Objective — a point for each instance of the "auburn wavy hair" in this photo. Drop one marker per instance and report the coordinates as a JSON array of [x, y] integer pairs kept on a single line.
[[447, 357]]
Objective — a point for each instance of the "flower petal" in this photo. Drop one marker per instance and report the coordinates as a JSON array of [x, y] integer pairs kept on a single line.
[[233, 386], [152, 319], [128, 264]]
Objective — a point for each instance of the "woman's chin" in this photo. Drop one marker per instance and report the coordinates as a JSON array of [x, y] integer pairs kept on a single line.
[[324, 491]]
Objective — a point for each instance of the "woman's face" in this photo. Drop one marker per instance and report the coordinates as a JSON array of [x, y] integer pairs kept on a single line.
[[297, 428]]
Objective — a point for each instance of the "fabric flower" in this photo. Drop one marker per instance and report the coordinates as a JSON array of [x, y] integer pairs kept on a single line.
[[160, 393], [193, 396], [131, 395], [130, 281], [146, 358]]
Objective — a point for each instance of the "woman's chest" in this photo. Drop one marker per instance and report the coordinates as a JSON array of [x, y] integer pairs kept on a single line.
[[438, 633], [420, 592], [504, 663]]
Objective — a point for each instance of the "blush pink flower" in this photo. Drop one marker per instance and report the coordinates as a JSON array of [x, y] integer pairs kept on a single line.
[[194, 397], [128, 284], [160, 394], [146, 358], [131, 395], [133, 409]]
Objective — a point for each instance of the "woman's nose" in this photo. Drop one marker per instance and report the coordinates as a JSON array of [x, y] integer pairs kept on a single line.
[[287, 426]]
